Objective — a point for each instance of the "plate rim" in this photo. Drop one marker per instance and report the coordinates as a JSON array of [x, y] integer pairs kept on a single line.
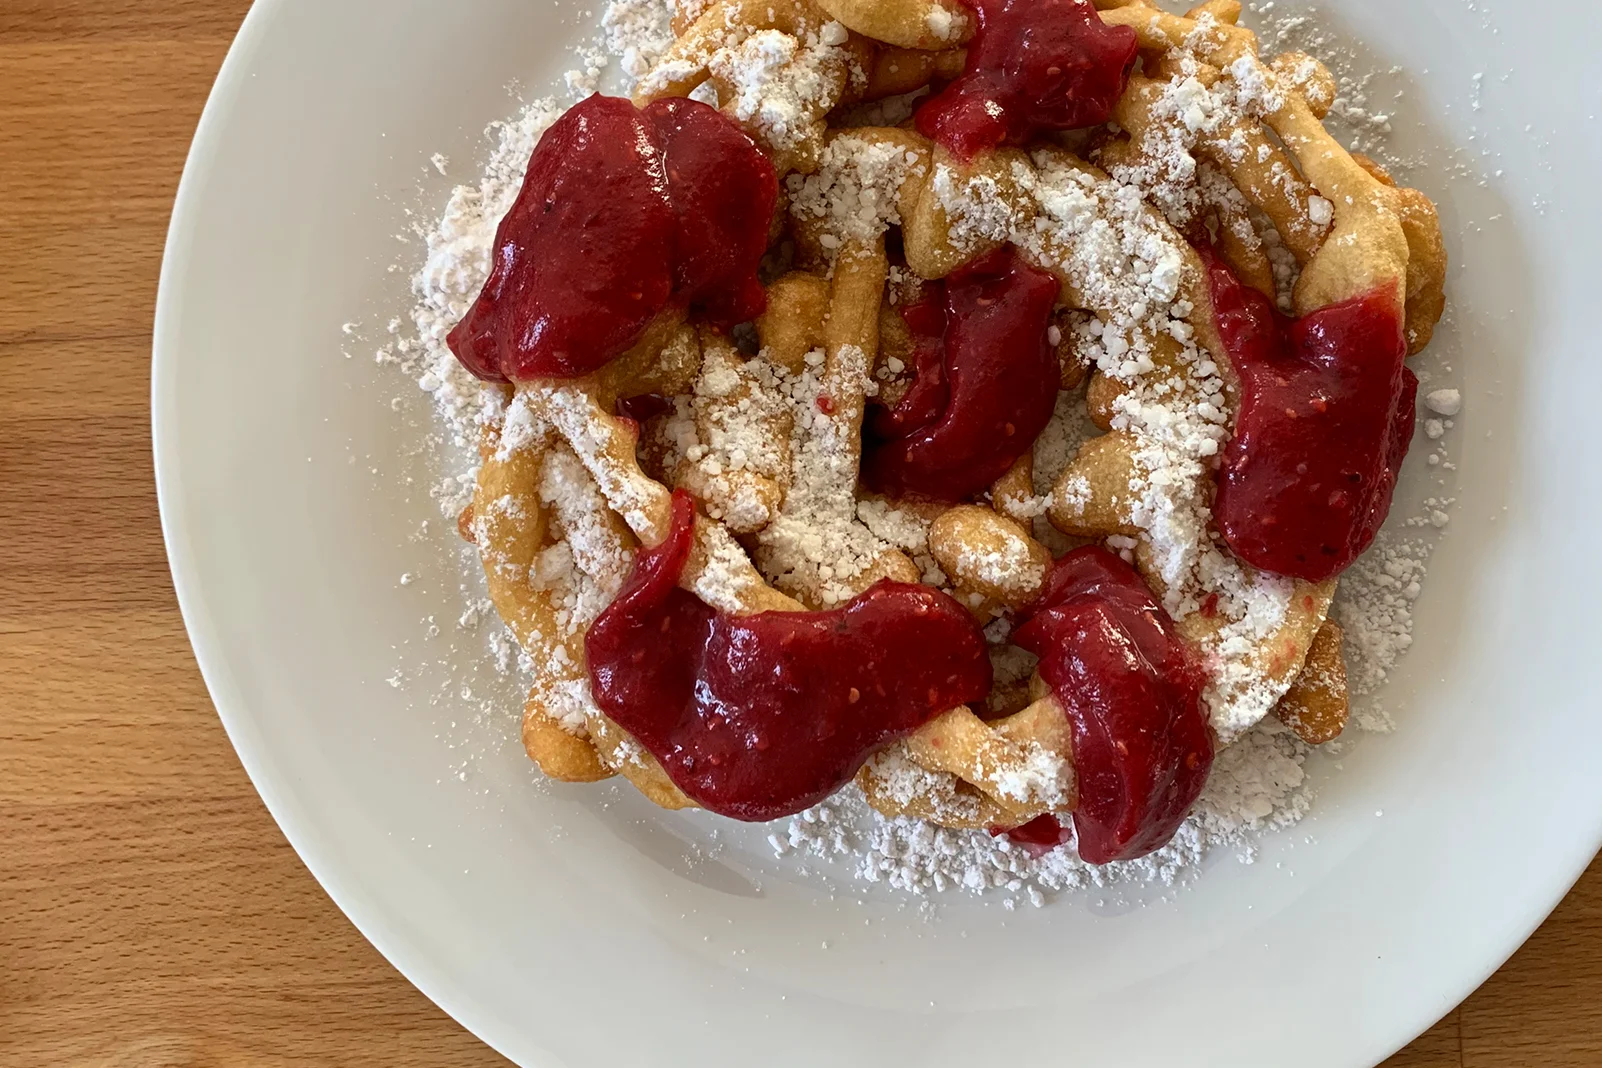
[[401, 955]]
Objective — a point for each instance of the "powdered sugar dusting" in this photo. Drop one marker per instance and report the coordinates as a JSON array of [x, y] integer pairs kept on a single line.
[[1257, 785], [457, 263], [824, 540], [637, 33], [817, 548], [1099, 234], [853, 193], [775, 78], [1375, 608]]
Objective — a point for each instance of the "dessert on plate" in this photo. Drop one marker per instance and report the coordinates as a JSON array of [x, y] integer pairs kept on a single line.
[[974, 404]]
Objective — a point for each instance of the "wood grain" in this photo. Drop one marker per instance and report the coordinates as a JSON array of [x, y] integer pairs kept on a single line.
[[150, 912]]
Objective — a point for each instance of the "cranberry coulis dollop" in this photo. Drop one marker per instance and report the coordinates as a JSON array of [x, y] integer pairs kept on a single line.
[[624, 212], [1131, 689], [757, 717], [985, 387], [1033, 65], [1325, 420]]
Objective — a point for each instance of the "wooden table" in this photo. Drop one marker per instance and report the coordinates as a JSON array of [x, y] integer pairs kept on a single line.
[[150, 912]]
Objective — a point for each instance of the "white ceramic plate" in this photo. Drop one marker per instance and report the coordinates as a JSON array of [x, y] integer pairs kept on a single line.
[[578, 927]]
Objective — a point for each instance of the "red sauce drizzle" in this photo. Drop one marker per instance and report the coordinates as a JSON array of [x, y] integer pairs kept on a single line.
[[1033, 65], [986, 382], [1132, 691], [758, 717], [1037, 837], [624, 212], [1326, 418]]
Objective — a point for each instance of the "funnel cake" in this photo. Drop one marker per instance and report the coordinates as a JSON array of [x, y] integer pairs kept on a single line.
[[768, 493]]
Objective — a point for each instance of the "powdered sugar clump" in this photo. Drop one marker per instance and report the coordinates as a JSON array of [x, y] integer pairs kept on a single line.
[[776, 78], [852, 195], [637, 32]]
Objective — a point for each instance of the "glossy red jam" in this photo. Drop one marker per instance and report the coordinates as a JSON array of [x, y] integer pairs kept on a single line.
[[1033, 65], [643, 407], [1325, 420], [761, 716], [624, 212], [986, 383], [1037, 837], [1132, 691]]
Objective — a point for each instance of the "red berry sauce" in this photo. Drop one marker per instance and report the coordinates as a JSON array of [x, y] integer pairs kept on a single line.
[[1132, 690], [624, 213], [758, 717], [1326, 418], [1037, 837], [643, 407], [986, 383], [1033, 65]]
